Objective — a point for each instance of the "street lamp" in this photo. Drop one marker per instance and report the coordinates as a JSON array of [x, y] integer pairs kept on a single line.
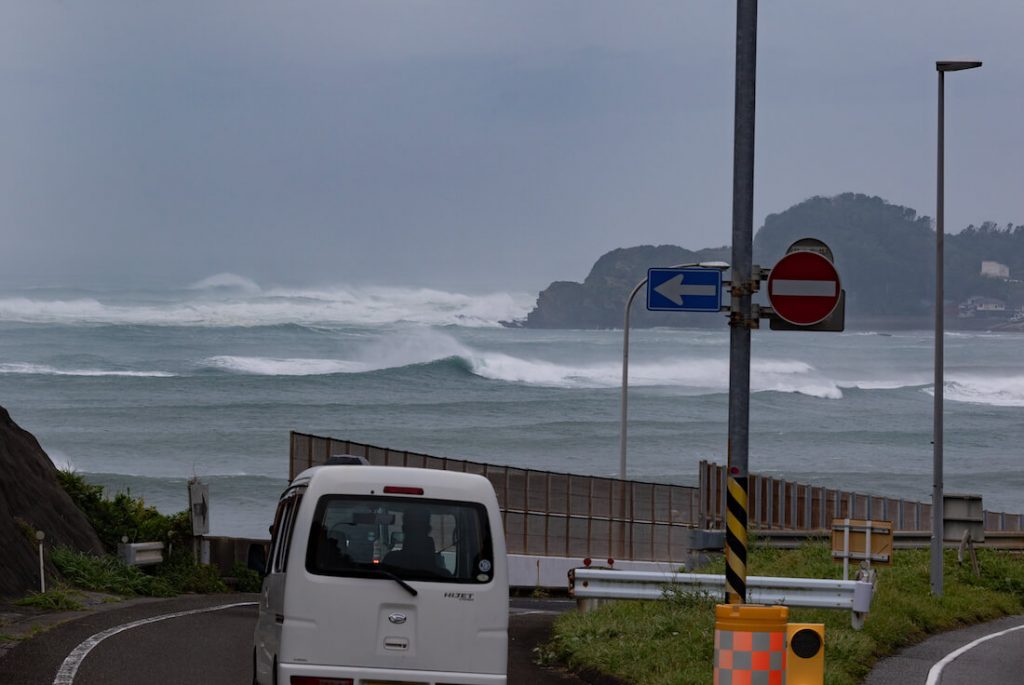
[[937, 514], [625, 359]]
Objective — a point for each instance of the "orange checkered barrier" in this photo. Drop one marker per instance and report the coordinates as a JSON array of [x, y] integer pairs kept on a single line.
[[750, 644]]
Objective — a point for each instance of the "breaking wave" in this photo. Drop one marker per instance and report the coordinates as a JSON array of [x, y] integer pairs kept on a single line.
[[1002, 391], [228, 300], [270, 366], [45, 370]]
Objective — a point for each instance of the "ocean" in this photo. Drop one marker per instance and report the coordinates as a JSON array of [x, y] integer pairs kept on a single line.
[[139, 391]]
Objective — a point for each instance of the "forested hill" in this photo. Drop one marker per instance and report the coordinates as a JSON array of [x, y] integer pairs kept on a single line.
[[885, 254]]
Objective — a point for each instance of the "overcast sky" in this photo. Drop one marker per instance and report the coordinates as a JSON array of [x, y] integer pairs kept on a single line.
[[470, 145]]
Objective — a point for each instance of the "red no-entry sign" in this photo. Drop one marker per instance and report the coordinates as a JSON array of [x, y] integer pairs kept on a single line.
[[803, 288]]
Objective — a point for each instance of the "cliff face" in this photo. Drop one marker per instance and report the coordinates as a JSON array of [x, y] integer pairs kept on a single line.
[[599, 302], [31, 498], [881, 251]]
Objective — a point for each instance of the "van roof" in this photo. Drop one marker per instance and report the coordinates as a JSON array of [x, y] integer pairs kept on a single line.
[[436, 483]]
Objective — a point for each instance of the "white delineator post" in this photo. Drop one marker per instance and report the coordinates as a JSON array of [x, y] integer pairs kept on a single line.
[[42, 570]]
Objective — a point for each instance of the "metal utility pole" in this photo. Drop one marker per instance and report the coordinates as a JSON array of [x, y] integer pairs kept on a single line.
[[740, 320], [940, 209]]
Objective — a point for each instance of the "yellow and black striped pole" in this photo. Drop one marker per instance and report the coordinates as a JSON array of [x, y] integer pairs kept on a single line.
[[736, 541]]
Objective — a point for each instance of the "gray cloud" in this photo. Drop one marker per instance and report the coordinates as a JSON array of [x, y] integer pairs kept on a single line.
[[468, 145]]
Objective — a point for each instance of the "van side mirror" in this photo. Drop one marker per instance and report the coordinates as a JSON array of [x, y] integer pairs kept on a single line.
[[256, 559]]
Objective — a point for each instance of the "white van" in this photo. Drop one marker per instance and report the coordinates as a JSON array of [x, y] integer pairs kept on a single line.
[[380, 574]]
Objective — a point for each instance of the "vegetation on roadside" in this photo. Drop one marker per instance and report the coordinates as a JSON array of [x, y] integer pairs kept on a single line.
[[671, 642], [126, 516], [60, 598], [246, 580]]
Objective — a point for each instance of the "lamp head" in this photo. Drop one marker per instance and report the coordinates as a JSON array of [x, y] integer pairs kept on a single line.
[[956, 65]]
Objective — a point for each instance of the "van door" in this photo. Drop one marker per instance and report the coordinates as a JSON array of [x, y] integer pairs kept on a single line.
[[401, 583], [271, 611]]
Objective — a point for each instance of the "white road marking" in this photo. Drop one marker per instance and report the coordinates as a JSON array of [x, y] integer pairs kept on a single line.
[[68, 669], [798, 288], [935, 673]]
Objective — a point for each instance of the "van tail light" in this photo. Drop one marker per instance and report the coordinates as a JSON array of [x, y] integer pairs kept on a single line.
[[402, 490], [314, 680]]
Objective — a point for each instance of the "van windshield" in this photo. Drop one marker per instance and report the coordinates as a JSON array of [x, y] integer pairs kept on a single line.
[[411, 538]]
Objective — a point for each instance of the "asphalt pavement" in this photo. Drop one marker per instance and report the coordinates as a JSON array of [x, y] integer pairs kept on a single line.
[[216, 646], [212, 647], [996, 661]]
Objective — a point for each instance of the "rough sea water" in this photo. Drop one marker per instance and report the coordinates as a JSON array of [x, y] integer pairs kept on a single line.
[[141, 391]]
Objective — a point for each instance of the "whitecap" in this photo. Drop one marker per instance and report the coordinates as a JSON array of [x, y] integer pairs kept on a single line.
[[270, 366], [44, 370], [60, 460], [1002, 391], [226, 281], [226, 300], [699, 376]]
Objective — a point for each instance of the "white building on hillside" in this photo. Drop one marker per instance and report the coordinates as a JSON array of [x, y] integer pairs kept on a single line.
[[995, 270]]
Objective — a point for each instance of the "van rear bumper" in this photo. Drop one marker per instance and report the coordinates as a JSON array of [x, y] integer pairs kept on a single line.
[[365, 676]]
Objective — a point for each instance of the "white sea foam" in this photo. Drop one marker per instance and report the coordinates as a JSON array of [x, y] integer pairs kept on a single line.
[[269, 366], [1001, 391], [226, 281], [45, 370], [701, 376], [892, 383], [416, 346], [227, 300], [60, 460]]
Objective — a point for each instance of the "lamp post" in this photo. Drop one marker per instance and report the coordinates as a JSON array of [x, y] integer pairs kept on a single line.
[[625, 359], [937, 514]]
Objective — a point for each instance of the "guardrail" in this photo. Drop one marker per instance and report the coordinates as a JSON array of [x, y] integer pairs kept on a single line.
[[141, 553], [852, 595]]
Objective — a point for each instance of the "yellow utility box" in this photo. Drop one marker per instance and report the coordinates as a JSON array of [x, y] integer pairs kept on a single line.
[[805, 654]]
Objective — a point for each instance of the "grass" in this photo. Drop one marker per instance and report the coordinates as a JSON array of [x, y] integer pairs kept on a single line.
[[126, 516], [670, 642], [61, 598], [109, 574]]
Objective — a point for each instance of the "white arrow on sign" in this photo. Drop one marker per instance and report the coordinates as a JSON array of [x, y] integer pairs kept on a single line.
[[673, 290]]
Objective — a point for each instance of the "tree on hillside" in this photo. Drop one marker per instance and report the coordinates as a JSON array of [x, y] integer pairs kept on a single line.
[[885, 253]]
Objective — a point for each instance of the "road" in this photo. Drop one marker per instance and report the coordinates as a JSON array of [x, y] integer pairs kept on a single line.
[[209, 647], [216, 647], [999, 660]]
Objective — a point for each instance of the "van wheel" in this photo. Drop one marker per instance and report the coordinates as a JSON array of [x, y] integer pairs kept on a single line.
[[274, 679]]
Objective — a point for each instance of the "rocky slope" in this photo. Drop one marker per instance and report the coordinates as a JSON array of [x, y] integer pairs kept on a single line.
[[599, 302], [31, 499]]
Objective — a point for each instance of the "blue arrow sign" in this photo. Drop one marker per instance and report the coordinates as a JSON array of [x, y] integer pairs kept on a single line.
[[684, 290]]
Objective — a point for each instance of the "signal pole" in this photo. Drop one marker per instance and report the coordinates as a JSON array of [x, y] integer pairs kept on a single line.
[[740, 320]]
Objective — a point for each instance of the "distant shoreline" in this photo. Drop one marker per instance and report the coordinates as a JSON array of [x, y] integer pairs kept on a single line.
[[860, 324]]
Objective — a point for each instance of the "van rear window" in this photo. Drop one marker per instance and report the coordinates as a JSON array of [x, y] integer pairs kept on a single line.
[[411, 538]]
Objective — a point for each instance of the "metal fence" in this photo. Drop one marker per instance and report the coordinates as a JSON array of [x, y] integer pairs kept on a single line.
[[546, 513], [775, 504], [552, 514]]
